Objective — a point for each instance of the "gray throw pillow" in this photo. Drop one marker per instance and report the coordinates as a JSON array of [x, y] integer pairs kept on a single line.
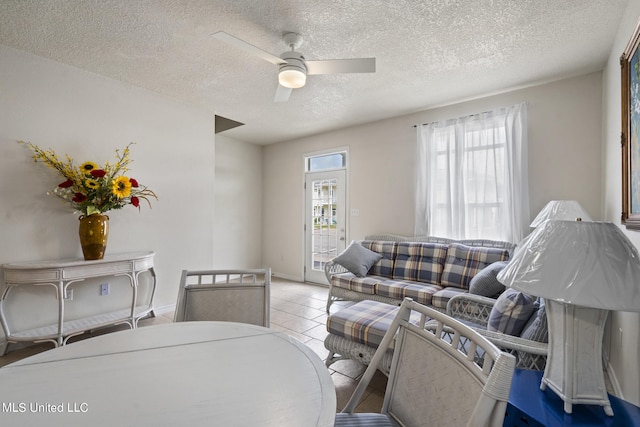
[[357, 259], [485, 283], [511, 312]]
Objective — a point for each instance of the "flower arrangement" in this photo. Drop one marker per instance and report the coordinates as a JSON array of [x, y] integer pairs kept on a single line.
[[91, 189]]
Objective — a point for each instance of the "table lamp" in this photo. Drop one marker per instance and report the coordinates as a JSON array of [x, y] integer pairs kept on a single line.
[[561, 209], [582, 269]]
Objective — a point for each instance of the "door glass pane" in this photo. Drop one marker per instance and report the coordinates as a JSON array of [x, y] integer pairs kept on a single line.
[[324, 237]]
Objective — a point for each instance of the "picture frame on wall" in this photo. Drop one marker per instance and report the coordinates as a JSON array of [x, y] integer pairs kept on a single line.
[[630, 135]]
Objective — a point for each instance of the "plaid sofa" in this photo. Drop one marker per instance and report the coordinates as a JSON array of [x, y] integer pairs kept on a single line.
[[429, 270]]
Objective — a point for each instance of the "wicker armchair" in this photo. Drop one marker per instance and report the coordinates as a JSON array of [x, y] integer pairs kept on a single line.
[[446, 376], [474, 310], [225, 295]]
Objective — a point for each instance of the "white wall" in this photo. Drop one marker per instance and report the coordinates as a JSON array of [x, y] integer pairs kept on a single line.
[[564, 162], [624, 339], [88, 117], [238, 199]]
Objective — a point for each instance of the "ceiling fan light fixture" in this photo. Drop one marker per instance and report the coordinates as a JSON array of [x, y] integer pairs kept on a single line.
[[293, 74], [292, 77]]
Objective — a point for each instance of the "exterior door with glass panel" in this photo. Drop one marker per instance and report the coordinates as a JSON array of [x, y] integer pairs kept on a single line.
[[325, 229]]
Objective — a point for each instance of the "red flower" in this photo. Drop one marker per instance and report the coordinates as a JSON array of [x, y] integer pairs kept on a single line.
[[98, 173], [79, 198], [135, 201], [68, 183], [133, 182]]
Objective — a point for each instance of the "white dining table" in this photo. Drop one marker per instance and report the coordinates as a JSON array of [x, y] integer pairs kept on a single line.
[[176, 374]]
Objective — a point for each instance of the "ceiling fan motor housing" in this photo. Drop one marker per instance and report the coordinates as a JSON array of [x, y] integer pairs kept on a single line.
[[293, 74]]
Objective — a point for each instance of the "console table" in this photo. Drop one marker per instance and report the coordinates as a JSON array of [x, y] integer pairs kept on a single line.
[[62, 273]]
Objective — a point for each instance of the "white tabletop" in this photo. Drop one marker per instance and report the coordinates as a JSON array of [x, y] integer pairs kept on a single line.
[[177, 374]]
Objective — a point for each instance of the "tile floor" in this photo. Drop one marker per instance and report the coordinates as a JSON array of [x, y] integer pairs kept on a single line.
[[297, 309]]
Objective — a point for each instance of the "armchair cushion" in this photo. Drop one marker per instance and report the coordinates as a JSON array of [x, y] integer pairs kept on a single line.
[[511, 312], [485, 283], [357, 259]]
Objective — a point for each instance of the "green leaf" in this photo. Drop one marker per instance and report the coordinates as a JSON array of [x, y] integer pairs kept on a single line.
[[92, 210]]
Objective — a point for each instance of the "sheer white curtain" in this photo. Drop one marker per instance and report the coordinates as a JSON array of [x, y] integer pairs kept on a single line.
[[472, 176]]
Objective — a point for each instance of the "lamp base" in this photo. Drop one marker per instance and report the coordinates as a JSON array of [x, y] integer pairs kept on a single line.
[[574, 364]]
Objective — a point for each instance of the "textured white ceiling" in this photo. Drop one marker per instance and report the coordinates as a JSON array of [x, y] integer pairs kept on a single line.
[[428, 52]]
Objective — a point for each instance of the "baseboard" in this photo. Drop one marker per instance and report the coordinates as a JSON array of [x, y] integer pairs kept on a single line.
[[614, 385], [164, 309], [288, 277]]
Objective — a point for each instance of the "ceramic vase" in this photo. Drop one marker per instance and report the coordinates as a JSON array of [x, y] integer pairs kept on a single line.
[[94, 232]]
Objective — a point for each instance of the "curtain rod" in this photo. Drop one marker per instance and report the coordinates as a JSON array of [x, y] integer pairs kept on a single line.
[[470, 115], [458, 118]]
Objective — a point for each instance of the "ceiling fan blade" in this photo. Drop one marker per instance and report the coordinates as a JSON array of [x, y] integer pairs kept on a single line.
[[282, 94], [234, 41], [335, 66]]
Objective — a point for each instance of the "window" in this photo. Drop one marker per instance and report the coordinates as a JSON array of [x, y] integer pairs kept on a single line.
[[326, 162], [472, 177]]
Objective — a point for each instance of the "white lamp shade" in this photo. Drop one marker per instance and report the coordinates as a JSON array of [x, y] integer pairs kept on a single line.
[[590, 264], [561, 209]]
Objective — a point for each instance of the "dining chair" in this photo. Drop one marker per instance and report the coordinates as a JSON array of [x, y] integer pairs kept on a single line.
[[443, 373], [225, 295]]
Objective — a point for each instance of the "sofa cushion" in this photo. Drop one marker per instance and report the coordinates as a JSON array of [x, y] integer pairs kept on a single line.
[[485, 283], [357, 259], [365, 322], [536, 328], [511, 312], [350, 281], [442, 297], [463, 262], [419, 262], [384, 266], [399, 289]]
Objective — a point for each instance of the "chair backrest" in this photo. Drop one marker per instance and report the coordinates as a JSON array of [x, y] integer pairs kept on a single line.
[[442, 373], [225, 295]]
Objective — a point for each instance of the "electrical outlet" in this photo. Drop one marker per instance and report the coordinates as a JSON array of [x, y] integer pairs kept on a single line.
[[68, 294], [104, 289]]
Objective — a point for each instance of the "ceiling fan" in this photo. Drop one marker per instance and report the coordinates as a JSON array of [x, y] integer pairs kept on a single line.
[[294, 68]]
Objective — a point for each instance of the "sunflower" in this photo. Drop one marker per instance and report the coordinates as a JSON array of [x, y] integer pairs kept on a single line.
[[91, 183], [87, 167], [121, 187]]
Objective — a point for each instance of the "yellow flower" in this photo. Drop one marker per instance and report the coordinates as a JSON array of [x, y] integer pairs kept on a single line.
[[121, 187], [91, 183], [87, 167]]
